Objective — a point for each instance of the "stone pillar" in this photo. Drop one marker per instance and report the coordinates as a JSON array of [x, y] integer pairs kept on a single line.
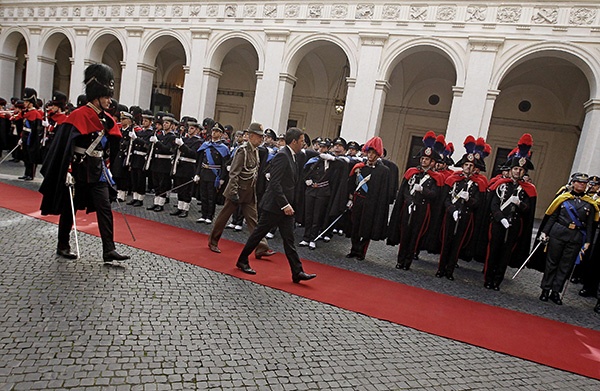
[[46, 65], [268, 107], [586, 158], [144, 86], [211, 84], [472, 106], [32, 73], [78, 63], [8, 65], [129, 92], [364, 104], [284, 99], [193, 91]]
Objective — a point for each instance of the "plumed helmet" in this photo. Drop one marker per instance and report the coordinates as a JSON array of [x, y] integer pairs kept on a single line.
[[99, 81], [522, 155], [469, 155], [427, 150], [30, 95], [448, 152], [376, 144], [82, 100], [59, 99]]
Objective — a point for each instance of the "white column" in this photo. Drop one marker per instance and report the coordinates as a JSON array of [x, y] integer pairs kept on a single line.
[[32, 73], [192, 85], [284, 102], [46, 81], [211, 84], [472, 106], [129, 82], [7, 73], [143, 89], [586, 158], [364, 103], [78, 63], [268, 108]]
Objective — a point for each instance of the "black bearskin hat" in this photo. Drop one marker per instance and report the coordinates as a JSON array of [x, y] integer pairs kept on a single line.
[[81, 100], [59, 99], [99, 81], [30, 95], [208, 123]]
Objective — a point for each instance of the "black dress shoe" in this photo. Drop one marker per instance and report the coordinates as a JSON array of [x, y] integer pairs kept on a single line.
[[585, 293], [244, 267], [183, 214], [406, 267], [597, 307], [496, 287], [114, 256], [555, 298], [66, 253], [302, 276], [351, 255], [176, 212], [450, 277], [399, 265], [137, 203], [488, 285], [440, 274], [22, 177], [360, 257], [131, 202], [545, 295], [159, 208], [151, 207]]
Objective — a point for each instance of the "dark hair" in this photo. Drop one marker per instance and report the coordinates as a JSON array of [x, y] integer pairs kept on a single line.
[[293, 134]]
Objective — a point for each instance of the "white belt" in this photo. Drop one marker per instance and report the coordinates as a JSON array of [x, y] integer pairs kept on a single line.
[[27, 130], [164, 156], [187, 159], [141, 153], [83, 151]]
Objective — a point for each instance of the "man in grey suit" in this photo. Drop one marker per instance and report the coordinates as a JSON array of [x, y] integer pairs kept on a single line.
[[277, 208]]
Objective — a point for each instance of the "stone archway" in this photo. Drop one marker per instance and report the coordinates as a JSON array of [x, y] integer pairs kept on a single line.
[[13, 65], [107, 49], [55, 65]]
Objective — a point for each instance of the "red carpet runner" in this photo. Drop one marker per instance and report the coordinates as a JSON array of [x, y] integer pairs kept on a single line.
[[541, 340]]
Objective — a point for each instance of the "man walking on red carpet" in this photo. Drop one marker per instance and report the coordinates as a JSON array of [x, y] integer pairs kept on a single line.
[[277, 208]]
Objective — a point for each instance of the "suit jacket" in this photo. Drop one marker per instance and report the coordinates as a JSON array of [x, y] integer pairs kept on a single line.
[[243, 174], [282, 184]]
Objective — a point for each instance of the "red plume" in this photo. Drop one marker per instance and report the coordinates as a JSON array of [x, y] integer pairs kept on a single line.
[[375, 143], [429, 139], [450, 147], [469, 144], [526, 139]]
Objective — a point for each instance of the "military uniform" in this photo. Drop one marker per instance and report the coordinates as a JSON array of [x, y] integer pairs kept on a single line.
[[162, 157], [184, 169]]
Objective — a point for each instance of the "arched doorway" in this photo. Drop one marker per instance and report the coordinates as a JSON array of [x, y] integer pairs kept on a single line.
[[107, 49], [56, 61], [13, 65]]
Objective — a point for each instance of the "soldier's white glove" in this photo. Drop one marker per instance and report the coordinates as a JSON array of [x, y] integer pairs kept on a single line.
[[268, 176], [20, 142], [417, 187], [326, 156], [221, 182], [464, 195], [132, 135], [69, 180], [196, 178], [349, 204], [179, 142], [544, 237], [505, 223], [45, 123], [515, 200], [153, 139], [309, 182], [345, 159], [455, 215]]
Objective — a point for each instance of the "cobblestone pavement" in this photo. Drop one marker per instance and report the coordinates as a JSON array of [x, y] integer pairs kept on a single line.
[[157, 323]]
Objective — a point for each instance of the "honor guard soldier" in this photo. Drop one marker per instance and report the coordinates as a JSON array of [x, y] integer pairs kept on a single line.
[[122, 164], [512, 208], [55, 116], [32, 134], [353, 149], [184, 166], [139, 155], [76, 176], [420, 188], [569, 232], [368, 187], [162, 148], [462, 196], [211, 172]]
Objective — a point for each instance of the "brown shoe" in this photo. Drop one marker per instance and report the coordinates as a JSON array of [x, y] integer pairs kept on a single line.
[[214, 248], [267, 253]]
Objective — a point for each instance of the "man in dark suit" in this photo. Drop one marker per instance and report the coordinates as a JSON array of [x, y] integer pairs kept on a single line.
[[277, 208]]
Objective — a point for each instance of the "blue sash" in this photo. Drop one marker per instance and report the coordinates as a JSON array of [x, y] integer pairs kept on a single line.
[[222, 150], [364, 186], [572, 212]]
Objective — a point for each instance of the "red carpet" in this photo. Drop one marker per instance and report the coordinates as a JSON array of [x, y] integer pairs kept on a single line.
[[541, 340]]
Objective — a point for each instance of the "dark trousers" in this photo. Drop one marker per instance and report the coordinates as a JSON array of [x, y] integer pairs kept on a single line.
[[359, 244], [138, 181], [208, 198], [266, 221], [453, 241], [413, 228], [237, 218], [500, 249], [162, 183], [184, 193], [315, 210], [100, 200], [560, 259], [123, 183]]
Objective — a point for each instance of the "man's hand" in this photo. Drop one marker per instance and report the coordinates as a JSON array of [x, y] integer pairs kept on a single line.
[[132, 135], [505, 223], [455, 215], [196, 178], [45, 123], [515, 200], [464, 195], [417, 187], [153, 139], [221, 182], [235, 198], [544, 237], [326, 156], [179, 141], [20, 142], [288, 210], [349, 204], [69, 180], [586, 246]]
